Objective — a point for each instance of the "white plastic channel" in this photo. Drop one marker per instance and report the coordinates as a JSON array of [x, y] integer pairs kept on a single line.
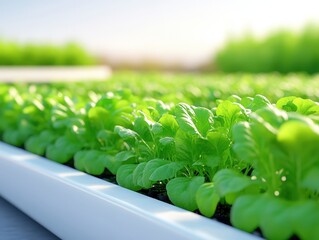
[[75, 205], [54, 74]]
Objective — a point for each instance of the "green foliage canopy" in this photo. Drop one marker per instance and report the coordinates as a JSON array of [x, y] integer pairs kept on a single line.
[[15, 54], [282, 51]]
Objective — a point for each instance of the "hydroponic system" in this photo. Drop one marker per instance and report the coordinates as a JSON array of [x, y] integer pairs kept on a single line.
[[221, 150]]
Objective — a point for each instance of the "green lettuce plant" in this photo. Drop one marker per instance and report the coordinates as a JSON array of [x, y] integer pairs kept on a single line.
[[282, 190]]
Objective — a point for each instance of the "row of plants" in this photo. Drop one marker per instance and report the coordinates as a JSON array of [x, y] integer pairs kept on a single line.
[[258, 157], [281, 51], [17, 54], [205, 89]]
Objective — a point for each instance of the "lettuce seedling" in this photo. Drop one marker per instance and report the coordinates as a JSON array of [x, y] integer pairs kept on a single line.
[[95, 132], [283, 149]]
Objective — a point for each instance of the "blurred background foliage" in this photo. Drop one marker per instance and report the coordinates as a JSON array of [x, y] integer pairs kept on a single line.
[[17, 54], [282, 51]]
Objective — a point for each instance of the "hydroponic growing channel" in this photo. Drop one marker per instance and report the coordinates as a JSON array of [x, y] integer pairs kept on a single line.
[[257, 158], [58, 196]]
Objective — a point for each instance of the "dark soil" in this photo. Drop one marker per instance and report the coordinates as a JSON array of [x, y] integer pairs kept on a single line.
[[157, 191], [222, 213]]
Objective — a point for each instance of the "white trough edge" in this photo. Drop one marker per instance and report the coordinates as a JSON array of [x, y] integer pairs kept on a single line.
[[75, 205], [54, 73]]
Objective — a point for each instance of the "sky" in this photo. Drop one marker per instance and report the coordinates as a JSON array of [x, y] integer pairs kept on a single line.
[[183, 31]]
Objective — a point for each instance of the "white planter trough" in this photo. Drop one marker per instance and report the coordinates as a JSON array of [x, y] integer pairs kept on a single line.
[[75, 205], [54, 73]]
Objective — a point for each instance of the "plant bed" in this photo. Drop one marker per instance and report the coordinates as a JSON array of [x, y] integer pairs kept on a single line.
[[74, 205], [256, 159]]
